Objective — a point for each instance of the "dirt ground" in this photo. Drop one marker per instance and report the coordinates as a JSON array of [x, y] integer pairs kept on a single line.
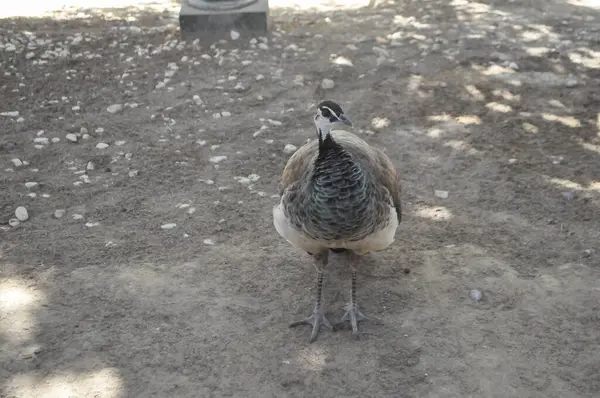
[[494, 102]]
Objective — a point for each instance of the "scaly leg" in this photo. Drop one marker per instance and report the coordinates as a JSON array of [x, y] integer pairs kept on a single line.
[[317, 318], [353, 314]]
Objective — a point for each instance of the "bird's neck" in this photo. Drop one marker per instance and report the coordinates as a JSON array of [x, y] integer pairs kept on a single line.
[[326, 142]]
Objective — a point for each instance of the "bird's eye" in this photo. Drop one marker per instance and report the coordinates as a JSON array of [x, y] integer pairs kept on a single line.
[[325, 112]]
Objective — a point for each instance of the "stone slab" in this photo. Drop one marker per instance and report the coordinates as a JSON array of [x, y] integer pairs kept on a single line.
[[196, 23]]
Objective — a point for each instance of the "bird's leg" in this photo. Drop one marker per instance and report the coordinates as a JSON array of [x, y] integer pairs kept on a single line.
[[353, 314], [317, 318]]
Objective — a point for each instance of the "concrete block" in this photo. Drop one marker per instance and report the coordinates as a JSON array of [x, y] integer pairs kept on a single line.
[[198, 18]]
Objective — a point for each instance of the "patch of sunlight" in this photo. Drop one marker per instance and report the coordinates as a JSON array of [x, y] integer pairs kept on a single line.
[[445, 117], [410, 21], [475, 92], [18, 301], [462, 146], [435, 213], [507, 95], [104, 383], [592, 60], [556, 103], [321, 5], [312, 358], [342, 61], [44, 8], [572, 185], [530, 128], [537, 51], [568, 121], [468, 119], [498, 107], [585, 3], [414, 82], [590, 147]]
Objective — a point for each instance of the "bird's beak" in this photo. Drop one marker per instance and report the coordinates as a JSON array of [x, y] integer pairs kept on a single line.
[[345, 120]]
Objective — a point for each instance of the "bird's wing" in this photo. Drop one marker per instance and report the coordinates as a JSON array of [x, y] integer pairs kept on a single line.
[[378, 163], [298, 164]]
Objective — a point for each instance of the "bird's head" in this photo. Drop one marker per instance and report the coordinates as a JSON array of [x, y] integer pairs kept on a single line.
[[329, 113]]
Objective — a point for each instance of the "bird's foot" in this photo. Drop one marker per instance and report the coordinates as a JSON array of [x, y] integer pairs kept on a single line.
[[316, 319], [352, 315]]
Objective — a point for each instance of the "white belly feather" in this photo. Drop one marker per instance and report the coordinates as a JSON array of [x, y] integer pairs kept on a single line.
[[376, 241]]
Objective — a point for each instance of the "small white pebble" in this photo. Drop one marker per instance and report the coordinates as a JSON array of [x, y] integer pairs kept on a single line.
[[191, 210], [31, 185], [13, 222], [21, 214], [441, 194], [327, 84], [10, 113], [225, 114], [32, 194], [55, 140], [120, 143], [41, 140], [208, 242], [92, 224], [71, 137], [260, 77], [102, 145], [99, 130], [59, 213], [169, 226], [253, 177], [90, 165], [217, 159], [234, 35], [475, 294], [114, 108], [289, 149], [133, 173], [17, 162]]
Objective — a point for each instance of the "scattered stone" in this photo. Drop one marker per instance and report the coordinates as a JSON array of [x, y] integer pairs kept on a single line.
[[327, 84], [13, 222], [225, 114], [92, 224], [275, 122], [55, 140], [217, 159], [71, 137], [260, 77], [41, 140], [32, 194], [133, 173], [289, 149], [102, 145], [31, 185], [10, 114], [90, 166], [253, 177], [21, 213], [86, 179], [120, 143], [168, 226], [114, 108], [191, 210], [17, 162], [59, 213], [441, 194], [77, 217], [475, 295], [380, 122], [234, 35], [208, 242]]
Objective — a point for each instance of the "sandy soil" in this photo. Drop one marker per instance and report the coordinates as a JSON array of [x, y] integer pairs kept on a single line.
[[494, 102]]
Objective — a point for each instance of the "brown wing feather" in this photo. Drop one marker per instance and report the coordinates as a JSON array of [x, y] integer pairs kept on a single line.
[[297, 165]]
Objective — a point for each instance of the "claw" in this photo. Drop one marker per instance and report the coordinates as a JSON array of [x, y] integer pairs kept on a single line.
[[353, 315], [316, 319]]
